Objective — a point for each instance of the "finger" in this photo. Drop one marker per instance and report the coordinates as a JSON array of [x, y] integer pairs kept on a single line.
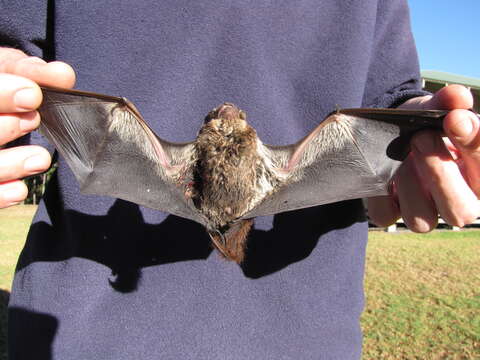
[[453, 150], [416, 205], [416, 103], [382, 210], [10, 54], [55, 73], [447, 98], [22, 161], [463, 129], [12, 192], [18, 94], [13, 126], [453, 198]]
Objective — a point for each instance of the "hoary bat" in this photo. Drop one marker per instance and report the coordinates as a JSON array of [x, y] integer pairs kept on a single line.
[[226, 176]]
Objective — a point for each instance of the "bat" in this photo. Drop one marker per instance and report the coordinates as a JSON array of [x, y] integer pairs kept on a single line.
[[226, 176]]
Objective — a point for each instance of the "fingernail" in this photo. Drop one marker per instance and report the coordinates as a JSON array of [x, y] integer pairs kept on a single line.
[[35, 163], [13, 193], [26, 125], [26, 99], [28, 122], [462, 128]]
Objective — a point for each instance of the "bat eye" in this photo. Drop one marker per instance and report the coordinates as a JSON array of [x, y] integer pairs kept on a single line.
[[209, 117]]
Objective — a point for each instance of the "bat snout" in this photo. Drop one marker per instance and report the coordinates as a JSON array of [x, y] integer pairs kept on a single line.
[[228, 111]]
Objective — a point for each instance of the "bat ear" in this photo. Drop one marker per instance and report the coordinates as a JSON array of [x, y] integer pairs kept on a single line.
[[242, 114], [209, 116]]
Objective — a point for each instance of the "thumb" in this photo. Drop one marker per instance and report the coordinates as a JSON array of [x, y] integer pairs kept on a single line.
[[447, 98]]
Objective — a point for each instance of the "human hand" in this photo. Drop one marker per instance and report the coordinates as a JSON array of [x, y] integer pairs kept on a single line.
[[20, 96], [440, 175]]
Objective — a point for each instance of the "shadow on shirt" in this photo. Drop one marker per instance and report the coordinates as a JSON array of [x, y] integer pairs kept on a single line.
[[36, 338], [33, 340], [124, 242]]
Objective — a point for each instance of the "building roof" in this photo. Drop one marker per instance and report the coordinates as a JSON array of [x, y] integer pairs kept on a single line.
[[444, 77]]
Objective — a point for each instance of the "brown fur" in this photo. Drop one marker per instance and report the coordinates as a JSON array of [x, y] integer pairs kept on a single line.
[[226, 176], [232, 244]]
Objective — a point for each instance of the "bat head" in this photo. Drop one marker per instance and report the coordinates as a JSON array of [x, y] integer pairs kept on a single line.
[[227, 118]]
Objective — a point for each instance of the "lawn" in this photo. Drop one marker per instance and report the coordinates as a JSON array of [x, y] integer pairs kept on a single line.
[[14, 223], [423, 296], [422, 291]]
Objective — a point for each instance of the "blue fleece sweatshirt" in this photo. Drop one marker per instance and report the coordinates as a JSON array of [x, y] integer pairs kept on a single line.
[[101, 278]]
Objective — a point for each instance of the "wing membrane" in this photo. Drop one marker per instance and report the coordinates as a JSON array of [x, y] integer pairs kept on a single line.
[[352, 154], [112, 151]]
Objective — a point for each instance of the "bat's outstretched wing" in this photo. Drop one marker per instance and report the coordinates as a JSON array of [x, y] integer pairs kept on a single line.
[[112, 151], [352, 154]]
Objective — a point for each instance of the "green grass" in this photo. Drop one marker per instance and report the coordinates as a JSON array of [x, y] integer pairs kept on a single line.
[[423, 296], [14, 223], [423, 291]]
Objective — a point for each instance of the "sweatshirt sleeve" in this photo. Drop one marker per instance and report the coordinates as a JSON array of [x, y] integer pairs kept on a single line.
[[393, 75], [25, 28]]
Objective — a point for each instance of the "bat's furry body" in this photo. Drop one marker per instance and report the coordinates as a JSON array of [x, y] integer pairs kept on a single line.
[[230, 177], [227, 176]]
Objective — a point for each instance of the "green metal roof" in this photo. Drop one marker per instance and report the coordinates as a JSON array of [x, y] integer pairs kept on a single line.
[[444, 77]]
